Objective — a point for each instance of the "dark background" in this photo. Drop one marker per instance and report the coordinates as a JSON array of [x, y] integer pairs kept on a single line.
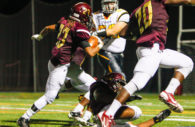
[[16, 62]]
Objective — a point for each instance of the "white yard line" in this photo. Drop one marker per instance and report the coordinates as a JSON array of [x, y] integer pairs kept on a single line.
[[48, 110]]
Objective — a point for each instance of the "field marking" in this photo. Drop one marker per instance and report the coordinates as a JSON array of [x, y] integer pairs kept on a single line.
[[46, 111], [172, 116], [184, 120]]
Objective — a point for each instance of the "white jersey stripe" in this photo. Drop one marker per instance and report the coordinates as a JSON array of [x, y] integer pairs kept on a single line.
[[82, 30]]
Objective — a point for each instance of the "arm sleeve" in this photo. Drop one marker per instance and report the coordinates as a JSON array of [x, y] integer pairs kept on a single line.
[[123, 15], [85, 44]]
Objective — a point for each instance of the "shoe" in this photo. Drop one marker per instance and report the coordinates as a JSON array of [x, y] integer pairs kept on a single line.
[[84, 122], [134, 97], [106, 121], [22, 122], [162, 115], [169, 99], [73, 115]]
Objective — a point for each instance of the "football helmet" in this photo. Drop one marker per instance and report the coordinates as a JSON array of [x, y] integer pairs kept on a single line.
[[106, 6], [114, 81], [81, 12]]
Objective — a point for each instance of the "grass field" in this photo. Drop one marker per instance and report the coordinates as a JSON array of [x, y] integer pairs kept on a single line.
[[13, 105]]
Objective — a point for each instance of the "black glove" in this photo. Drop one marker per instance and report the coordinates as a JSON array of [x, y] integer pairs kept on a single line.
[[162, 115]]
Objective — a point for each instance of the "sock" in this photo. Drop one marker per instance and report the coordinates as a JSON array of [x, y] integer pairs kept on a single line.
[[87, 115], [173, 84], [30, 112], [113, 108], [78, 108]]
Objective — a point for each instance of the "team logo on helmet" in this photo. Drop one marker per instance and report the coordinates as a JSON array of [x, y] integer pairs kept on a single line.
[[81, 12]]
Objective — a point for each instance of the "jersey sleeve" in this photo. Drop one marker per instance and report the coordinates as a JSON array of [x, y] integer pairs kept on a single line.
[[123, 16], [82, 33]]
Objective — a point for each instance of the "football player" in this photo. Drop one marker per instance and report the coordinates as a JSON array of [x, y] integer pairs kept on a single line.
[[111, 55], [102, 94], [71, 48], [149, 24], [111, 79]]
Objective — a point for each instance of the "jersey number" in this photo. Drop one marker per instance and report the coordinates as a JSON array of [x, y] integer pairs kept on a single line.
[[109, 27], [144, 16], [63, 32]]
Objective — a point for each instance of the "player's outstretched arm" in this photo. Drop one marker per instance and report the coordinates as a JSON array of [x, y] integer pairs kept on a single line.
[[158, 118], [43, 32]]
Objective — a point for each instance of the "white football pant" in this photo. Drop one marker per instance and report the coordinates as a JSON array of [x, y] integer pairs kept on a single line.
[[150, 59]]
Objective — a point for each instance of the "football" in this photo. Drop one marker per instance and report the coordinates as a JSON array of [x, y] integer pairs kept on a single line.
[[93, 41]]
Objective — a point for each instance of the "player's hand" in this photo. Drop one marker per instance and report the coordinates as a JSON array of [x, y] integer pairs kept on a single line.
[[37, 37], [101, 43]]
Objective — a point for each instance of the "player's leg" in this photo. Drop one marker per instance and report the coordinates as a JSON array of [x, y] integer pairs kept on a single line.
[[85, 81], [116, 62], [112, 62], [183, 66], [54, 82], [129, 113], [124, 113], [145, 68], [77, 111], [158, 118], [104, 60]]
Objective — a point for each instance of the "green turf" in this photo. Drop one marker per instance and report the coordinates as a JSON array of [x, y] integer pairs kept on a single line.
[[13, 105]]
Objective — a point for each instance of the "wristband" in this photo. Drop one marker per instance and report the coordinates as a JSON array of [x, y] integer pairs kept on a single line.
[[101, 33], [100, 45]]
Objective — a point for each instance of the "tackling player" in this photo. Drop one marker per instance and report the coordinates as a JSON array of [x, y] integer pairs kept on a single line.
[[111, 55], [102, 94], [71, 48], [151, 19]]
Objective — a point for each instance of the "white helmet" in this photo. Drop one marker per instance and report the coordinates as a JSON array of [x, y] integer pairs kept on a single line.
[[106, 8]]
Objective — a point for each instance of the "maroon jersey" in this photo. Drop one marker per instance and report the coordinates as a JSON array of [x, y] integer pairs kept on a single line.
[[151, 20], [68, 45]]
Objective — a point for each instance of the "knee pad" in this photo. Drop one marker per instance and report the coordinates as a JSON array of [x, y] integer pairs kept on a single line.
[[41, 102], [138, 81], [87, 95], [137, 111], [50, 96], [187, 69], [86, 79]]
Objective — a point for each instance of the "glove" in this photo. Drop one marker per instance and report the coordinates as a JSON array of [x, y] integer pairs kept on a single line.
[[37, 37]]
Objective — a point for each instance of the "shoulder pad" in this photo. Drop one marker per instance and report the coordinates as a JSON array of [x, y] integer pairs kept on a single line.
[[120, 10], [97, 12]]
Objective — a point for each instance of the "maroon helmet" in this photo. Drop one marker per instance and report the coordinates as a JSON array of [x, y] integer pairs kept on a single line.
[[114, 81], [81, 12]]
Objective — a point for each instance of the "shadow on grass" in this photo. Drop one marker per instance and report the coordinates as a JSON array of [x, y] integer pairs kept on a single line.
[[63, 123], [6, 126]]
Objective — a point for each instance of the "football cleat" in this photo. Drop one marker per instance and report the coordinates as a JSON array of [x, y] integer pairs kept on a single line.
[[73, 115], [169, 100], [134, 97], [22, 122], [162, 115], [106, 121], [84, 122]]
